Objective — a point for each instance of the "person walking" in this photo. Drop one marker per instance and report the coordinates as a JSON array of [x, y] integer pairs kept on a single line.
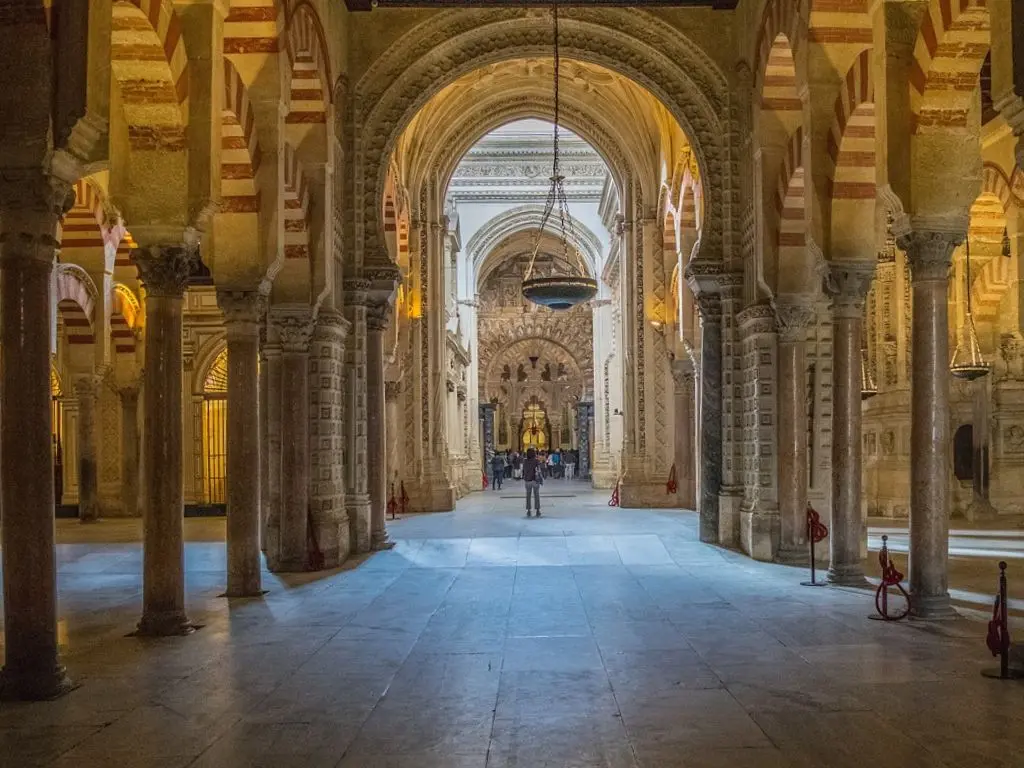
[[533, 478], [497, 471]]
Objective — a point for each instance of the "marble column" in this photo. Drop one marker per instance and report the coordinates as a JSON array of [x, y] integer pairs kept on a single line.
[[487, 412], [392, 433], [164, 271], [129, 450], [684, 378], [264, 385], [242, 312], [849, 283], [295, 329], [710, 308], [376, 421], [30, 206], [88, 469], [931, 255], [794, 318], [272, 352]]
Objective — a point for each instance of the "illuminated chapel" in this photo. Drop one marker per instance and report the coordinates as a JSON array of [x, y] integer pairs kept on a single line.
[[267, 269]]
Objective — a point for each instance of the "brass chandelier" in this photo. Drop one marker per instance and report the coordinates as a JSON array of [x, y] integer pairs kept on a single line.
[[968, 363], [563, 282]]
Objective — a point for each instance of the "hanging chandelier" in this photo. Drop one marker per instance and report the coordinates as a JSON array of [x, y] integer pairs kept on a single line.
[[968, 363], [562, 282]]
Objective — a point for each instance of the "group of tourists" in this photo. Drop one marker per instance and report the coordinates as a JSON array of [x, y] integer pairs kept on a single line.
[[532, 468]]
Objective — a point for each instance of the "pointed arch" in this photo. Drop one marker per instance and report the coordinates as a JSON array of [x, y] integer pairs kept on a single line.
[[75, 295], [779, 18], [851, 142], [125, 310], [240, 149], [296, 207]]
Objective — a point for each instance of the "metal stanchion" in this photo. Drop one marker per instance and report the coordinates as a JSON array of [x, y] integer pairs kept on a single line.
[[890, 578], [816, 532], [998, 639], [392, 502], [614, 500]]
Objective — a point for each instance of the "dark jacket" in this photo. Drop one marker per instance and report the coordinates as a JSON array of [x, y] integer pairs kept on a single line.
[[531, 469]]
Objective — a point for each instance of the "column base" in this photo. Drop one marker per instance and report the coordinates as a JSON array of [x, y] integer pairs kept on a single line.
[[729, 502], [242, 592], [431, 497], [34, 684], [847, 576], [759, 533], [165, 624], [380, 542], [797, 555], [932, 608], [291, 566], [645, 494]]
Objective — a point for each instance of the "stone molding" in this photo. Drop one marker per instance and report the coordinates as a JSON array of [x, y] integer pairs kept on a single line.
[[684, 376], [793, 317], [757, 319], [32, 202], [356, 291], [331, 325], [294, 327], [848, 284], [377, 317], [930, 253], [165, 269]]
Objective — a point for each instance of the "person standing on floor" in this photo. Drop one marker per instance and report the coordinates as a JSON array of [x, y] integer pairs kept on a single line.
[[533, 478], [497, 471]]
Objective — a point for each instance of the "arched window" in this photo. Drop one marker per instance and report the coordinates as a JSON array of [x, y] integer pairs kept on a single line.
[[215, 444]]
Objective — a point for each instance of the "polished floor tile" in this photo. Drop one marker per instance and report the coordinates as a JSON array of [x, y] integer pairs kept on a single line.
[[591, 638]]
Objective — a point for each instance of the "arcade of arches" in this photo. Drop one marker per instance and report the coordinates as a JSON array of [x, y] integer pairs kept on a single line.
[[266, 256]]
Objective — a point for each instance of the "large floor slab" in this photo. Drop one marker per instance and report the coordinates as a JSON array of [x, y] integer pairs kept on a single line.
[[592, 637]]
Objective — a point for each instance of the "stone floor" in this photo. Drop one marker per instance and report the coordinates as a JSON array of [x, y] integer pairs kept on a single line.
[[591, 637]]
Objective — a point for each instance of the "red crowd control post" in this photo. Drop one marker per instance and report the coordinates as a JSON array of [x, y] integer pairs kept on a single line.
[[671, 486], [890, 578], [392, 502], [614, 500], [816, 533], [998, 639]]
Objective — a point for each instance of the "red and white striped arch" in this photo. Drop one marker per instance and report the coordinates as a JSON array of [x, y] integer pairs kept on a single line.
[[791, 204], [123, 257], [779, 18], [310, 90], [83, 226], [125, 310], [150, 66], [240, 149], [75, 297], [839, 22], [296, 207], [851, 141], [253, 27], [951, 46]]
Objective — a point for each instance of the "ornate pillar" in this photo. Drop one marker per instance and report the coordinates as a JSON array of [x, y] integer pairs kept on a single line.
[[272, 352], [584, 417], [88, 469], [710, 309], [164, 271], [31, 206], [849, 283], [392, 433], [242, 313], [487, 417], [931, 255], [294, 329], [129, 449], [684, 376], [794, 319], [357, 500], [376, 421]]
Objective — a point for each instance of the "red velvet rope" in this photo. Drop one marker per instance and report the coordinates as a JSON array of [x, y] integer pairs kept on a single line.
[[614, 500], [815, 528], [997, 640], [670, 486], [484, 476], [891, 577]]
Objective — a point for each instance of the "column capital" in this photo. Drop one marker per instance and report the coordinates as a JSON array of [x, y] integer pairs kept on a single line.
[[241, 306], [331, 323], [848, 283], [32, 202], [392, 389], [294, 327], [356, 291], [377, 317], [930, 252], [794, 315], [683, 375], [710, 307], [86, 384], [165, 268]]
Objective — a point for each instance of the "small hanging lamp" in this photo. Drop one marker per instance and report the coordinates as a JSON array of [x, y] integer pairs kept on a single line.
[[968, 363], [563, 283], [868, 388]]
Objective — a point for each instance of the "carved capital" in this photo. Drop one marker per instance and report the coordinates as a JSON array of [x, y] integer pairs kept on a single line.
[[33, 203], [294, 327], [392, 389], [331, 325], [87, 386], [356, 291], [710, 307], [377, 316], [683, 375], [930, 253], [165, 268], [848, 284], [241, 307], [793, 316]]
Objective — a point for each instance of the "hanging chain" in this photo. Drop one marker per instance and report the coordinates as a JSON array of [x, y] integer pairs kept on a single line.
[[556, 194], [967, 276]]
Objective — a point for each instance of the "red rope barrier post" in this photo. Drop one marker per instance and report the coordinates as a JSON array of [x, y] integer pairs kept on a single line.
[[614, 500], [998, 639], [890, 578], [671, 486], [392, 502], [816, 533]]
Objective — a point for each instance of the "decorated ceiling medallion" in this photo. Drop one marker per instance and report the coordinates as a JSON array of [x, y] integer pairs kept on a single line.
[[968, 362], [564, 281]]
